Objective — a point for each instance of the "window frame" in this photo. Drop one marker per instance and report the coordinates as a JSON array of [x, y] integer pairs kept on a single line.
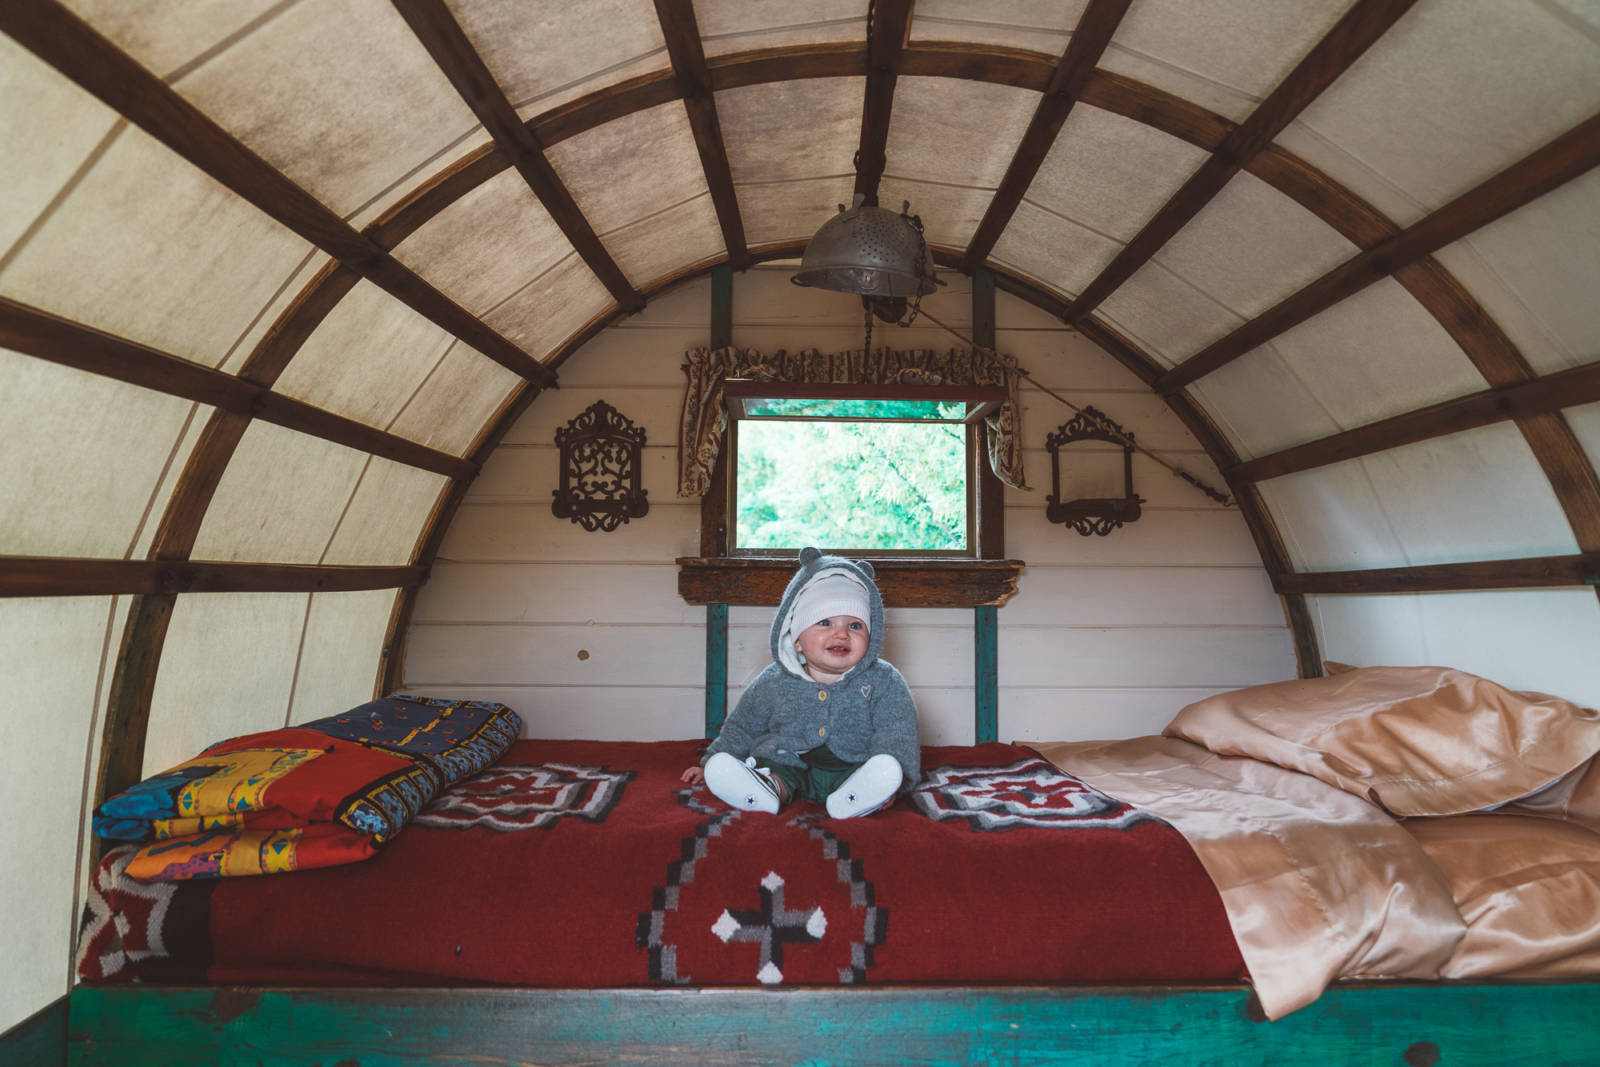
[[740, 394]]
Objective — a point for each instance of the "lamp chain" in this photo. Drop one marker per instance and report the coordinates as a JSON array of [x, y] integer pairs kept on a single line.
[[1103, 424]]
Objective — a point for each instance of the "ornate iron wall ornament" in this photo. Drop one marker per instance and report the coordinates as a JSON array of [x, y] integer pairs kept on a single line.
[[1092, 515], [600, 469]]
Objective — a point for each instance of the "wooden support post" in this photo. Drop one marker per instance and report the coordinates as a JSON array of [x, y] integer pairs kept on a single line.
[[989, 532], [986, 675], [714, 525]]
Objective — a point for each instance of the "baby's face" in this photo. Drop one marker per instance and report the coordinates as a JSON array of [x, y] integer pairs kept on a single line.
[[833, 645]]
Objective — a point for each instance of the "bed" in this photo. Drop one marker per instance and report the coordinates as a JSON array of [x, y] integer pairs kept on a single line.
[[1057, 903]]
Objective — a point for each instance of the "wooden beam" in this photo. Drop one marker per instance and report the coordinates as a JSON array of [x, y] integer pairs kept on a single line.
[[688, 56], [1089, 39], [56, 576], [886, 39], [1567, 157], [905, 583], [45, 336], [1540, 572], [1541, 396], [70, 45], [1349, 39], [447, 43]]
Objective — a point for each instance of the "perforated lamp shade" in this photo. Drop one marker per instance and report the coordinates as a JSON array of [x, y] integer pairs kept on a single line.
[[869, 250]]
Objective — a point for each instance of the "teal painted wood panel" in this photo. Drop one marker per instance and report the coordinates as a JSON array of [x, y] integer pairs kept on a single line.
[[1504, 1025], [716, 667], [986, 675]]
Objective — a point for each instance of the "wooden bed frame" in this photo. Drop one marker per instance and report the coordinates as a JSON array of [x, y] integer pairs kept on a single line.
[[1499, 1023]]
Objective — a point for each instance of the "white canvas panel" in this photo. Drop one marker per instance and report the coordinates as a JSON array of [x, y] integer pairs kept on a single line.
[[487, 244], [366, 358], [601, 42], [289, 289], [1542, 261], [1456, 91], [280, 499], [457, 401], [1227, 61], [1470, 496], [141, 242], [48, 131], [667, 241], [1036, 25], [1164, 315], [226, 670], [579, 594], [530, 533], [1111, 174], [1370, 631], [1541, 640], [51, 656], [950, 213], [171, 476], [339, 656], [766, 140], [632, 166], [956, 131], [1251, 246], [349, 139], [542, 315], [1260, 405], [1135, 657], [84, 455], [1585, 423], [1376, 354], [500, 654], [741, 25], [1066, 714], [385, 516], [1332, 519], [1142, 596], [166, 35], [1062, 255], [600, 713]]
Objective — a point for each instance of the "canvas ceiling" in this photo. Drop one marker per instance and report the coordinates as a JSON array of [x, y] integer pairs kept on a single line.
[[274, 275]]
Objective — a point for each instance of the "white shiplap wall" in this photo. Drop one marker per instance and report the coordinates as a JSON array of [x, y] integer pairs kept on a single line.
[[585, 635]]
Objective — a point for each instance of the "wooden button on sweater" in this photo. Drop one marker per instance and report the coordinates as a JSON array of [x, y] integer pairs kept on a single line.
[[822, 731], [822, 694]]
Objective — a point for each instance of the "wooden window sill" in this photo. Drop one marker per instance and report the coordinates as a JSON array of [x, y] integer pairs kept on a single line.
[[905, 583]]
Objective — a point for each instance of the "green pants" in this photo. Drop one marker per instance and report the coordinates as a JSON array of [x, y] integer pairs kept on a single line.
[[823, 773]]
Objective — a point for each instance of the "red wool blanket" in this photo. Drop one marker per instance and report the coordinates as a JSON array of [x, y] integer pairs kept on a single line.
[[589, 864]]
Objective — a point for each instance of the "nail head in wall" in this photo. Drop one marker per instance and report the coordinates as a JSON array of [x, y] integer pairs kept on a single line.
[[583, 653], [600, 469]]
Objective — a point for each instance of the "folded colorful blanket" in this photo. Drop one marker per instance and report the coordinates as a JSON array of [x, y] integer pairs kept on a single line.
[[315, 795]]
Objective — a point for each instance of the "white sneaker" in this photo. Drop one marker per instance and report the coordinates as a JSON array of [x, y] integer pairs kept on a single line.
[[868, 789], [739, 784]]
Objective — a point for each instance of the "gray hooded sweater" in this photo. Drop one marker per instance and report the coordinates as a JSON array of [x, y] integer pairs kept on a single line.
[[784, 712]]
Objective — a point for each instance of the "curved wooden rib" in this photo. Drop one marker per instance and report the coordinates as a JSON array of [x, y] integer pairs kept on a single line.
[[886, 39], [73, 48], [447, 43]]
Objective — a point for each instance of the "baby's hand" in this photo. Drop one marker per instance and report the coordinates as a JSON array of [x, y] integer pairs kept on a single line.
[[694, 775]]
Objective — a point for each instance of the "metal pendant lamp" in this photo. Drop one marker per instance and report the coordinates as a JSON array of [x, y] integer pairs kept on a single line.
[[872, 251]]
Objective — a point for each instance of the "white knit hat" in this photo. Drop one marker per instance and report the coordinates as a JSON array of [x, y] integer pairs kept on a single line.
[[828, 595]]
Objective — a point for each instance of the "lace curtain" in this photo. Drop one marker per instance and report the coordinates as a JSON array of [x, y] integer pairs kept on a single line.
[[704, 421]]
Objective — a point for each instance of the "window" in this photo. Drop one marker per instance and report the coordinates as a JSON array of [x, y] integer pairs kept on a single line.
[[885, 470]]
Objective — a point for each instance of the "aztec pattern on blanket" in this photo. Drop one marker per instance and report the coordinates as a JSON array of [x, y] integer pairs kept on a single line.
[[314, 795], [584, 864]]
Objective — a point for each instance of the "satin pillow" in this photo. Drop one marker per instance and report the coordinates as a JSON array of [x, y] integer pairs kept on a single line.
[[1415, 740], [1528, 888]]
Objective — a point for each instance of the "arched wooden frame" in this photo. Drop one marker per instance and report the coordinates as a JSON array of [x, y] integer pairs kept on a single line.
[[50, 31]]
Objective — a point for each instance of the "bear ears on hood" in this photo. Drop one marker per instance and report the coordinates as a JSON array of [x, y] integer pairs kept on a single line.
[[811, 555]]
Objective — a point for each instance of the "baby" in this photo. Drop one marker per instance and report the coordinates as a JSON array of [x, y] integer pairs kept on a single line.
[[827, 720]]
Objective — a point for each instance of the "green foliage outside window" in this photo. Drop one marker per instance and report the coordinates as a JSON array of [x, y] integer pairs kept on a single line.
[[852, 485]]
